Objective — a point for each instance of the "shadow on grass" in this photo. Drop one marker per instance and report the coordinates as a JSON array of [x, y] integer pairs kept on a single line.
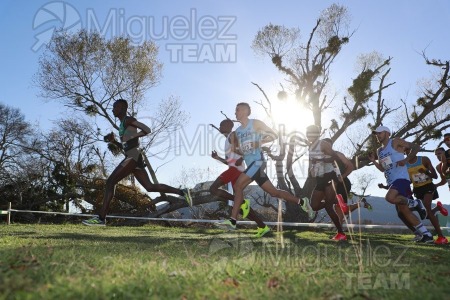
[[143, 261]]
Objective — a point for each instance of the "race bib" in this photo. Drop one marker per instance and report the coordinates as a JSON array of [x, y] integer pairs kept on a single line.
[[386, 162], [419, 178], [247, 147]]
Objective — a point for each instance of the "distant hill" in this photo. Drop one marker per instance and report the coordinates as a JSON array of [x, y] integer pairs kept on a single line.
[[383, 213]]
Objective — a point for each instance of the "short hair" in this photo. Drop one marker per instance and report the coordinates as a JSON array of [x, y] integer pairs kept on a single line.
[[313, 129], [123, 102], [328, 140], [246, 105], [227, 122], [446, 134]]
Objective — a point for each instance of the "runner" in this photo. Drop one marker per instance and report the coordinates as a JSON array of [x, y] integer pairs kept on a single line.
[[392, 161], [445, 179], [421, 173], [235, 168], [444, 158], [250, 136], [345, 167], [132, 164], [321, 168]]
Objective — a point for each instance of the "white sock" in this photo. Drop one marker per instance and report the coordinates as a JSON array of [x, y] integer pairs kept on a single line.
[[422, 229]]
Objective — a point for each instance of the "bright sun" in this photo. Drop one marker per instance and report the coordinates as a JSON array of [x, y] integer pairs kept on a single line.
[[293, 115]]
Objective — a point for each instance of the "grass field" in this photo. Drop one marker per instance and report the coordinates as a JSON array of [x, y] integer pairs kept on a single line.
[[154, 262]]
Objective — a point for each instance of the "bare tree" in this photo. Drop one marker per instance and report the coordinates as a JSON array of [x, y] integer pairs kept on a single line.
[[22, 171], [87, 73], [15, 133], [69, 149], [307, 67]]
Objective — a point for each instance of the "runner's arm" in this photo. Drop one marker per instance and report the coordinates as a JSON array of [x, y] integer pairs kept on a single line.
[[375, 162], [217, 157], [430, 171], [442, 176], [347, 163], [268, 134], [144, 128]]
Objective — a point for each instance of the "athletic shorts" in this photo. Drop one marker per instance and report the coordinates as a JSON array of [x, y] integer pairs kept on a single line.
[[402, 186], [419, 192], [343, 188], [230, 175], [135, 155], [323, 181], [256, 172]]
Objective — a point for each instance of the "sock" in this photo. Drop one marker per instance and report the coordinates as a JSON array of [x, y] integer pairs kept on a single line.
[[422, 229], [233, 221]]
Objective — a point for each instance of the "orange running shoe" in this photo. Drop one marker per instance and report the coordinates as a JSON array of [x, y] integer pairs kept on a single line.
[[441, 240], [442, 209], [340, 237], [342, 204]]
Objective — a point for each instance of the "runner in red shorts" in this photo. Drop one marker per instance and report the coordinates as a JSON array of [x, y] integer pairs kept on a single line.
[[236, 166]]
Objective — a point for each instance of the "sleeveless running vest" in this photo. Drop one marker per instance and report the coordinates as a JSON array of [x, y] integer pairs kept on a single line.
[[388, 158], [418, 179], [125, 135], [316, 156], [231, 157], [249, 143]]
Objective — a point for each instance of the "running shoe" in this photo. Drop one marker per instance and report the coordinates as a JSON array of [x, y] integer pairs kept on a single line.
[[340, 237], [307, 208], [442, 209], [245, 207], [441, 240], [226, 224], [427, 239], [366, 204], [95, 221], [416, 238], [261, 231], [187, 196], [342, 204]]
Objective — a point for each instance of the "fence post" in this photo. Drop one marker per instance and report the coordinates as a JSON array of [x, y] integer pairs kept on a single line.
[[8, 215]]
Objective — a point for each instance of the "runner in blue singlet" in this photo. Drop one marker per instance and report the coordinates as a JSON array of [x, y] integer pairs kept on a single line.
[[392, 161], [251, 135]]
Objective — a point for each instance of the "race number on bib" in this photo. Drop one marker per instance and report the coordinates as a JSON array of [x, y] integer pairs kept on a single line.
[[419, 178], [386, 162], [247, 147]]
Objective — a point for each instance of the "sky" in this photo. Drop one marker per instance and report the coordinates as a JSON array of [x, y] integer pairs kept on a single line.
[[399, 29]]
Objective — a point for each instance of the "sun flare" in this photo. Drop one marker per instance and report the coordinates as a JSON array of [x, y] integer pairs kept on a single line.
[[291, 114]]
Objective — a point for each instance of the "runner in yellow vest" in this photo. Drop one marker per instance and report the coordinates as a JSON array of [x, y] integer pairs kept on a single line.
[[421, 172]]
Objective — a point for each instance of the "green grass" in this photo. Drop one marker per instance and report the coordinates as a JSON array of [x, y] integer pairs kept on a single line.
[[153, 262]]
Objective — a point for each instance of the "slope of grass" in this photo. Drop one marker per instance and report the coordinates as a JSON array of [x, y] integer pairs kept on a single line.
[[153, 262]]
